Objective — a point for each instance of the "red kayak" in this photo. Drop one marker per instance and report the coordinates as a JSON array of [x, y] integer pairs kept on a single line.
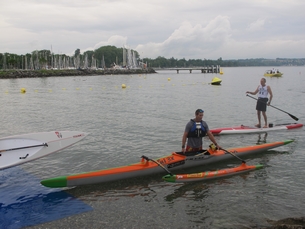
[[251, 129]]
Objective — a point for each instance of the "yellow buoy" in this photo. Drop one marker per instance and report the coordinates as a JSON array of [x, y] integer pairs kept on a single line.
[[216, 81], [123, 86], [169, 79], [23, 90]]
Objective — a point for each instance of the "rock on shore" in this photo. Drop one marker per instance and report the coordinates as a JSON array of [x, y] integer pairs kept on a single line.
[[70, 72]]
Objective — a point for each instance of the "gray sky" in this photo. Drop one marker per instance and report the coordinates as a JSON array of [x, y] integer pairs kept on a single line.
[[193, 29]]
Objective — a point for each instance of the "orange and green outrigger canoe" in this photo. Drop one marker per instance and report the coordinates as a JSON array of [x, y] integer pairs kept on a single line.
[[175, 161], [211, 174]]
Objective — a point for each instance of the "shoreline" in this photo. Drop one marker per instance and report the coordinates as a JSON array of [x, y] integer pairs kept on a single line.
[[14, 74]]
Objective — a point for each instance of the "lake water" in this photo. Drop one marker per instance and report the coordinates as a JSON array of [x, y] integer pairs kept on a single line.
[[148, 118]]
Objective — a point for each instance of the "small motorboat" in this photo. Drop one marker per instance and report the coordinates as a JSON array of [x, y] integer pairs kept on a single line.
[[273, 73]]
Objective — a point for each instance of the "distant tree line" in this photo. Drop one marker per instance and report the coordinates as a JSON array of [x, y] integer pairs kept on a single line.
[[162, 62], [108, 56]]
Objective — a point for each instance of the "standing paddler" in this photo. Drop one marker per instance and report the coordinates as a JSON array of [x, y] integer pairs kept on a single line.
[[263, 91]]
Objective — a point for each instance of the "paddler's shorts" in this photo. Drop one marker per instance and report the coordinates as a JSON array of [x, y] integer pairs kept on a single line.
[[190, 149], [261, 104]]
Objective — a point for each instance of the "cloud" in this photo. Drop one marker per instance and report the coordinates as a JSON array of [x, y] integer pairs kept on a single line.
[[173, 28], [190, 41], [256, 26], [115, 40]]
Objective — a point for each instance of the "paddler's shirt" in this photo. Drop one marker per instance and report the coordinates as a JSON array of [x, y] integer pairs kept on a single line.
[[196, 131], [262, 91]]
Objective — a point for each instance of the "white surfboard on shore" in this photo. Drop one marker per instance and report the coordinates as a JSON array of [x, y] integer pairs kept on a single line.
[[19, 149]]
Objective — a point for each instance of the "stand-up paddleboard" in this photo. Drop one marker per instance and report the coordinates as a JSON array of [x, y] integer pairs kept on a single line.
[[251, 130], [19, 149]]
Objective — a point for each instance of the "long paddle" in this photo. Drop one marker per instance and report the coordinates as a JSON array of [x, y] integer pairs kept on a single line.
[[24, 147], [233, 155], [149, 159], [292, 116]]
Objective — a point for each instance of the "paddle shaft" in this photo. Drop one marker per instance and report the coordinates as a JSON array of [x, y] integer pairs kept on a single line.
[[24, 147], [233, 155], [149, 159], [292, 116]]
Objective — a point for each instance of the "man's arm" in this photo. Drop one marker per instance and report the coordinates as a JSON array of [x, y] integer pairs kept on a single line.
[[184, 137], [253, 93], [211, 137]]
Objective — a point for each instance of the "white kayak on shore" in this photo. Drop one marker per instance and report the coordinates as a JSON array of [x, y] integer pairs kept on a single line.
[[19, 149], [251, 129]]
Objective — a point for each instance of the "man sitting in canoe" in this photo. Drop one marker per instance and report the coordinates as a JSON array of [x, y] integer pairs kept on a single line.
[[261, 106], [195, 130]]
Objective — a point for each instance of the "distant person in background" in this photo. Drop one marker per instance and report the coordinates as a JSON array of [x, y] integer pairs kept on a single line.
[[195, 130], [261, 106]]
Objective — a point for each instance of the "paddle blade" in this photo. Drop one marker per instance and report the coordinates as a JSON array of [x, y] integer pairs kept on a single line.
[[292, 116]]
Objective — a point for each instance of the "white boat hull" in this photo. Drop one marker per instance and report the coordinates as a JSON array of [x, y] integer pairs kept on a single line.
[[251, 130], [19, 149]]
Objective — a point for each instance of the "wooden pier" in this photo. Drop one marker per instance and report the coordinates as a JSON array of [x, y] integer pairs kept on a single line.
[[208, 69]]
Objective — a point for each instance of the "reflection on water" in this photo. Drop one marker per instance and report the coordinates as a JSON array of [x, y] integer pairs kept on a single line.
[[24, 202], [262, 138], [194, 190]]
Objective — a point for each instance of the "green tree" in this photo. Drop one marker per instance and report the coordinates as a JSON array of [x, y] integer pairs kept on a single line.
[[77, 52], [110, 53]]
